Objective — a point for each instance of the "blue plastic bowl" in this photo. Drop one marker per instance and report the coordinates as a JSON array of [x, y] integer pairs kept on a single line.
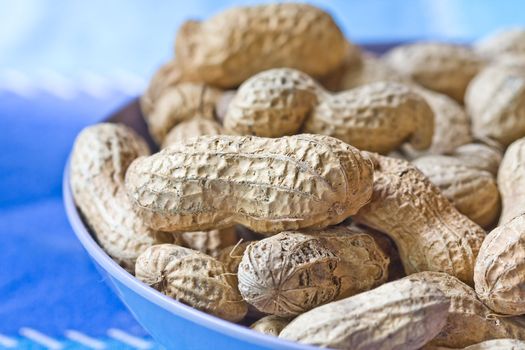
[[172, 324]]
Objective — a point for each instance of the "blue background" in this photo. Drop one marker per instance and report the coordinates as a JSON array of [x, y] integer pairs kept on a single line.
[[67, 64]]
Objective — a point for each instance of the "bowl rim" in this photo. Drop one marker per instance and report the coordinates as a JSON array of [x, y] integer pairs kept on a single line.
[[173, 306]]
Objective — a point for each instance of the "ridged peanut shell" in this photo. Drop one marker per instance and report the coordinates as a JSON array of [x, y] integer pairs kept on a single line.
[[232, 46], [267, 185], [231, 256], [100, 158], [499, 275], [209, 242], [180, 103], [445, 68], [506, 41], [473, 192], [193, 127], [430, 233], [270, 325], [451, 125], [272, 103], [495, 101], [292, 272], [192, 278], [404, 314], [486, 157], [370, 69], [511, 181], [469, 320], [377, 117], [167, 75]]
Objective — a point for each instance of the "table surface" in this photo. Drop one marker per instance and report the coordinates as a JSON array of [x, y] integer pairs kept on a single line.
[[66, 67]]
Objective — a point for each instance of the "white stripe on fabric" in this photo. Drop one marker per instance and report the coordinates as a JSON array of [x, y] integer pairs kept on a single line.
[[129, 339], [41, 338], [7, 342], [85, 340]]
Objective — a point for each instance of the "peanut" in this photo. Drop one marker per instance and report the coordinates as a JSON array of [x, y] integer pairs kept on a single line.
[[231, 256], [511, 181], [192, 278], [271, 325], [230, 47], [507, 41], [376, 117], [495, 100], [180, 103], [428, 230], [167, 75], [292, 272], [499, 274], [194, 127], [209, 242], [99, 160], [483, 155], [404, 314], [267, 185], [499, 344], [451, 125], [370, 70], [474, 192], [469, 320], [441, 67]]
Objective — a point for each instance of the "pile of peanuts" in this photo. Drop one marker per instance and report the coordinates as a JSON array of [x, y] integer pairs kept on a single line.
[[319, 193]]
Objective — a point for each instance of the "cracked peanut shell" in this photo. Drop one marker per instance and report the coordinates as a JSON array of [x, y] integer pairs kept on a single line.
[[267, 185]]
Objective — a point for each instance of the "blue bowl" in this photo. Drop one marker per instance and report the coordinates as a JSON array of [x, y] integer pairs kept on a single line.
[[172, 324]]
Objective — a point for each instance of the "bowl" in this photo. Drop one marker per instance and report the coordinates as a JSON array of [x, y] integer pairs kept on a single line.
[[172, 324]]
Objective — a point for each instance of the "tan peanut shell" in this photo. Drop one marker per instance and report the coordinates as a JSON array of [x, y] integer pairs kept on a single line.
[[430, 233], [192, 278], [370, 69], [334, 80], [231, 256], [495, 100], [499, 275], [469, 320], [376, 117], [167, 75], [272, 103], [194, 127], [511, 181], [481, 156], [292, 272], [99, 160], [267, 185], [451, 125], [209, 242], [270, 325], [445, 68], [473, 192], [404, 314], [179, 103], [232, 46], [506, 41], [499, 344]]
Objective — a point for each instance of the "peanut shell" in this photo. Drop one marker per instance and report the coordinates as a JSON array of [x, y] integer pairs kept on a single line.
[[404, 314], [503, 41], [267, 185], [209, 242], [270, 325], [194, 127], [511, 181], [192, 278], [99, 160]]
